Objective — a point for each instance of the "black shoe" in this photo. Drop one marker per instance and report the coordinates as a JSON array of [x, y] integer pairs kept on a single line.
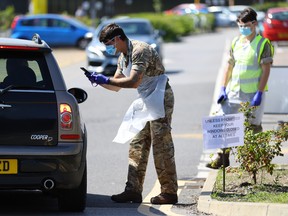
[[127, 196], [164, 198], [218, 162]]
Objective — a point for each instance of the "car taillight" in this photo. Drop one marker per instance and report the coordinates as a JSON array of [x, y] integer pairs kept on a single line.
[[14, 22], [66, 120], [66, 116]]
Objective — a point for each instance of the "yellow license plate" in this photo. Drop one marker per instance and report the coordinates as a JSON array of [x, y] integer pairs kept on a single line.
[[8, 166]]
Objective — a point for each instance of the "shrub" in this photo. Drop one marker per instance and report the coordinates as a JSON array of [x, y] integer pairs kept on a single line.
[[259, 149]]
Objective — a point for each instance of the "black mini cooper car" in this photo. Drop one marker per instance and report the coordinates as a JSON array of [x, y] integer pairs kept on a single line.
[[43, 140]]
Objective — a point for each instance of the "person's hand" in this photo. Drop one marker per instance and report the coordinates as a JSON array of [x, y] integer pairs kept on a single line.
[[222, 96], [101, 79], [256, 101], [97, 78], [90, 76]]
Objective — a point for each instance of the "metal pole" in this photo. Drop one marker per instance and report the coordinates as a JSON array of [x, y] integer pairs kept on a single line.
[[223, 167], [223, 156]]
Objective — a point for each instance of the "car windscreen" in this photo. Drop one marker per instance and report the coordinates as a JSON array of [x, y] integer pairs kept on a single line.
[[134, 28], [281, 16], [24, 70]]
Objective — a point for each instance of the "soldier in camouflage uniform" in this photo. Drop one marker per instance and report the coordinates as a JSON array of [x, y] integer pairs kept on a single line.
[[148, 120]]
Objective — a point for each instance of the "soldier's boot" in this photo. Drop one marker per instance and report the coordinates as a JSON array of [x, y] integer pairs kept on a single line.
[[218, 162], [127, 196], [164, 198]]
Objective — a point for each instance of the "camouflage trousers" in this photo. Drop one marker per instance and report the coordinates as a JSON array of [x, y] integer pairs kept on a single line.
[[158, 134]]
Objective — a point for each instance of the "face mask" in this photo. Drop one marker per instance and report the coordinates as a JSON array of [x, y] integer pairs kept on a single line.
[[111, 49], [246, 31]]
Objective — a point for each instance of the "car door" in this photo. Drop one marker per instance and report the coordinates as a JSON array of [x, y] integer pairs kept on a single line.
[[61, 32]]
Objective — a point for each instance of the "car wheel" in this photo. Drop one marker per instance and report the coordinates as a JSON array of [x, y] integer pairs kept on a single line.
[[82, 43], [74, 199]]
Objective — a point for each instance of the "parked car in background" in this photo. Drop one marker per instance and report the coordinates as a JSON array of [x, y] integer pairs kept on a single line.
[[275, 24], [223, 16], [98, 60], [56, 30], [236, 9], [43, 140], [188, 8]]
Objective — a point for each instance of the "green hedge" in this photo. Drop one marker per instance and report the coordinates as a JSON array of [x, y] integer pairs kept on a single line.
[[6, 18], [175, 26], [264, 7]]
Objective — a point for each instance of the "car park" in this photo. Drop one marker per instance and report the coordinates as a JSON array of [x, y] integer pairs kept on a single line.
[[43, 140], [98, 60], [223, 16], [56, 30], [275, 24]]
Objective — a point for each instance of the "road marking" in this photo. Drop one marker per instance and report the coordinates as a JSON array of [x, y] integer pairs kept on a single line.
[[147, 208], [188, 136]]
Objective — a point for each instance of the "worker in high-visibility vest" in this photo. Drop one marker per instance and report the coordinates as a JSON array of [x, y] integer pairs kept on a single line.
[[246, 75]]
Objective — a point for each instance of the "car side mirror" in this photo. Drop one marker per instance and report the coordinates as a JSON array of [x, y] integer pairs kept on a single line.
[[79, 94]]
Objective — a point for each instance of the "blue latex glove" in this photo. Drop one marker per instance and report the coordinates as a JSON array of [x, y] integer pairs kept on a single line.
[[97, 78], [90, 76], [256, 101], [101, 79], [222, 96]]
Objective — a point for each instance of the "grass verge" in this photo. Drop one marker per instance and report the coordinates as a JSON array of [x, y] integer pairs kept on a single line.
[[239, 188]]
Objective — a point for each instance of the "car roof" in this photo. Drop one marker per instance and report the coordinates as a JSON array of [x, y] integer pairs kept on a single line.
[[44, 16], [217, 8], [69, 19], [278, 9], [238, 7], [22, 44], [125, 20], [193, 5]]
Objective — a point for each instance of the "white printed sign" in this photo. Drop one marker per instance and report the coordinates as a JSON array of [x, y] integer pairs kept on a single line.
[[223, 131]]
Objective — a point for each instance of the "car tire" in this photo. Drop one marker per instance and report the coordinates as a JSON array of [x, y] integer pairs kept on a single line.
[[82, 43], [74, 200]]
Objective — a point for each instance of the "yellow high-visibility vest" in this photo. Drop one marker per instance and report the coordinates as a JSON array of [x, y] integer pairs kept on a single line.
[[247, 69]]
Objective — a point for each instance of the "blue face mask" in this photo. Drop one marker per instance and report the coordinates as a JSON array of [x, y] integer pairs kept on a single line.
[[246, 31], [111, 49]]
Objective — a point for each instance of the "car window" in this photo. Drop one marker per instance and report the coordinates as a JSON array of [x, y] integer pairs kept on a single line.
[[136, 28], [281, 16], [35, 22], [58, 23], [25, 69]]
